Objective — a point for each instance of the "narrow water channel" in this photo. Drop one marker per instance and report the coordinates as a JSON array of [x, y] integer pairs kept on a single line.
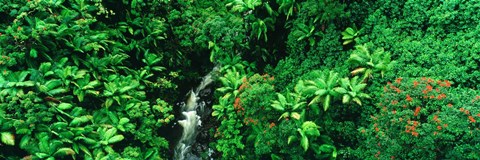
[[192, 111]]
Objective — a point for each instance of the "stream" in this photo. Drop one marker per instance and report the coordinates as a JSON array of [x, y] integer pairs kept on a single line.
[[193, 110]]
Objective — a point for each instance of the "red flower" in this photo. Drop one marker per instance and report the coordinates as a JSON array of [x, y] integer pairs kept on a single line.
[[409, 98], [398, 90], [442, 96], [439, 127], [447, 83], [449, 105], [429, 88], [242, 86], [417, 110], [415, 123], [424, 92], [415, 134], [429, 80], [435, 118], [471, 119], [399, 80], [415, 83], [272, 125], [237, 104]]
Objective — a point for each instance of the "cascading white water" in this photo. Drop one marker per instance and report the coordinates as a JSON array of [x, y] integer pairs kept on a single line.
[[192, 120]]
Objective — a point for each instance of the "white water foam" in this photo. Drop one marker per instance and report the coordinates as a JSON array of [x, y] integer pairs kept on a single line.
[[192, 120]]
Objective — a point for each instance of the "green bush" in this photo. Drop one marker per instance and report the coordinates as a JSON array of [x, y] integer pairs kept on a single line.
[[85, 79], [427, 38]]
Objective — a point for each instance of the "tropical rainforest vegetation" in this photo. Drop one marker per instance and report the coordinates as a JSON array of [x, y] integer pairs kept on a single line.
[[297, 79]]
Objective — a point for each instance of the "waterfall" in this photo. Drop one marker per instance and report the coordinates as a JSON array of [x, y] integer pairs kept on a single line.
[[191, 110]]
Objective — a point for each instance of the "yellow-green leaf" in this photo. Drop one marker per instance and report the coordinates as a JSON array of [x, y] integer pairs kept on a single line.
[[115, 139], [8, 138], [64, 152]]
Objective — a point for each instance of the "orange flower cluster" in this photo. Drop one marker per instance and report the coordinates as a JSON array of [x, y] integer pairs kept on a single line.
[[395, 88], [435, 118], [415, 84], [237, 105], [409, 99], [412, 128], [249, 120], [471, 119], [417, 110], [272, 125], [445, 84], [399, 80], [441, 96], [476, 99], [429, 88]]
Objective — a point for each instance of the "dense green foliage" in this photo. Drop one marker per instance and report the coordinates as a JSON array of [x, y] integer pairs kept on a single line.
[[297, 79]]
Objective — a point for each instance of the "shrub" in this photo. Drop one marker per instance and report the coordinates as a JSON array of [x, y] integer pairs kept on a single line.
[[422, 119]]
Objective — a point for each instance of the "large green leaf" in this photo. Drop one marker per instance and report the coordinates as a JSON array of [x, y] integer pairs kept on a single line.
[[326, 102], [277, 106], [304, 143], [64, 106], [109, 133], [8, 138], [115, 139]]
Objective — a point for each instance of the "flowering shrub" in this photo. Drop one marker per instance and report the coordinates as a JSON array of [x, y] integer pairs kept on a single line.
[[257, 92], [423, 119]]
